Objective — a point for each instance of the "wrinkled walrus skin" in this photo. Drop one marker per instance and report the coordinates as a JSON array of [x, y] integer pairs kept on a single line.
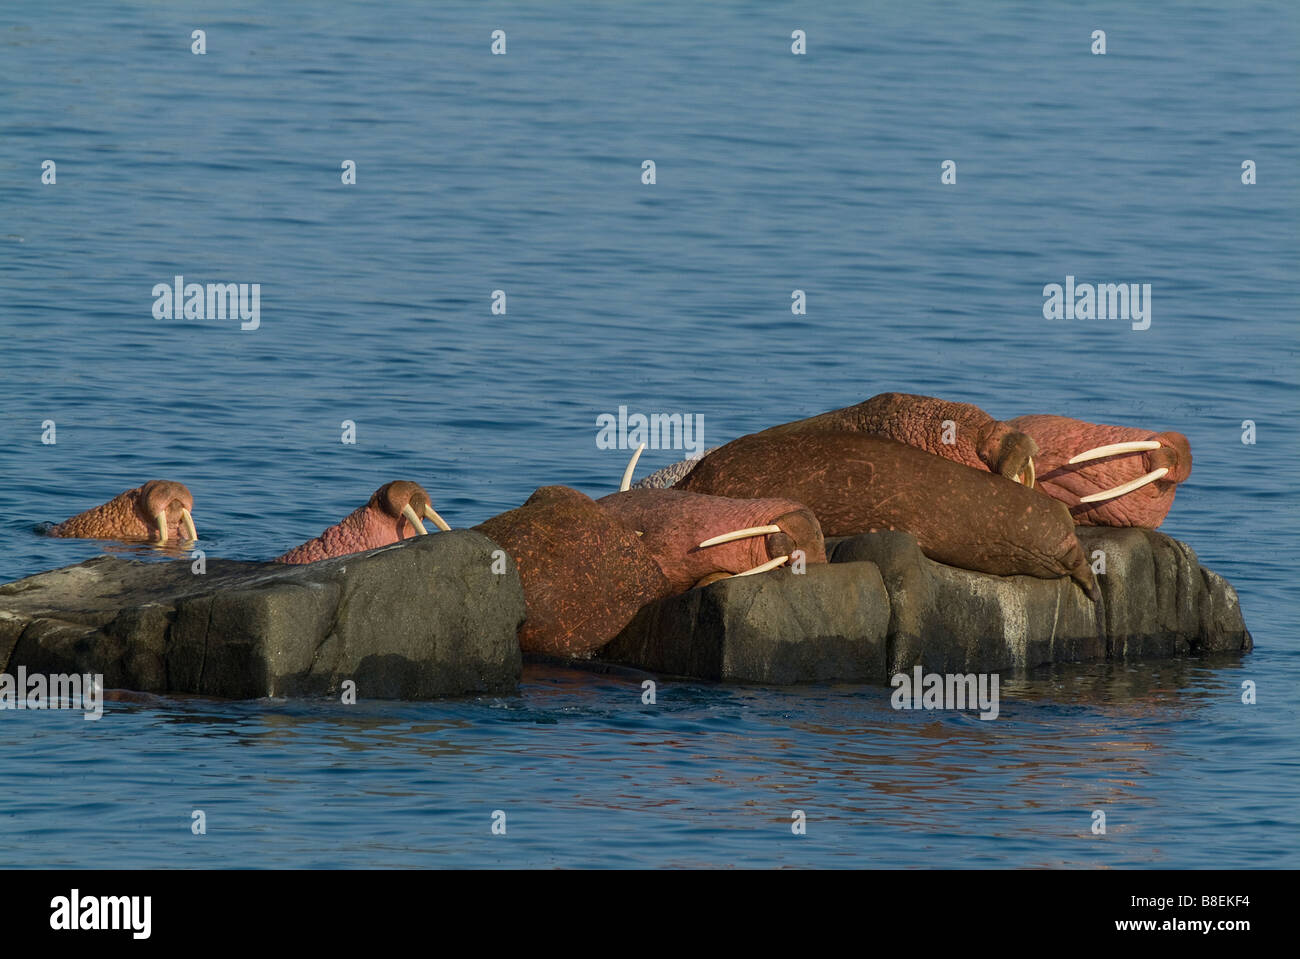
[[1059, 438], [980, 441], [673, 523], [584, 573], [379, 523], [130, 516], [857, 483]]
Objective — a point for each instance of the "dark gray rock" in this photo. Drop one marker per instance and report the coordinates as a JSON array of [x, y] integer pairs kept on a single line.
[[882, 607], [826, 624], [1157, 601], [423, 618]]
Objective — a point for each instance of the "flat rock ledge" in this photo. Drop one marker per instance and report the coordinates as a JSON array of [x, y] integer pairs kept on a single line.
[[881, 607], [422, 619]]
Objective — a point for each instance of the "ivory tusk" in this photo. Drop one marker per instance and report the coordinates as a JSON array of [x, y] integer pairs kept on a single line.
[[160, 520], [431, 513], [770, 564], [413, 519], [1128, 487], [626, 485], [187, 523], [1030, 475], [1137, 446], [740, 534]]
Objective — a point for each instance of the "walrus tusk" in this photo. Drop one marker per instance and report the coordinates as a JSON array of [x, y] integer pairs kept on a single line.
[[413, 519], [770, 564], [1026, 476], [1111, 449], [160, 520], [187, 522], [740, 534], [438, 521], [1128, 487], [626, 485]]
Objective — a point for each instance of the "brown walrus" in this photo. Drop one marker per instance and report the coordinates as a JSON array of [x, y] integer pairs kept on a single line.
[[695, 538], [1108, 475], [977, 439], [585, 574], [858, 482], [157, 511]]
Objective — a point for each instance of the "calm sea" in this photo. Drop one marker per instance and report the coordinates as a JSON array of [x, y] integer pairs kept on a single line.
[[523, 173]]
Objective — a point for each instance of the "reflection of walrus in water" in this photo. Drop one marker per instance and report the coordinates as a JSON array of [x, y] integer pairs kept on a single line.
[[696, 538], [584, 573], [856, 483], [1108, 475]]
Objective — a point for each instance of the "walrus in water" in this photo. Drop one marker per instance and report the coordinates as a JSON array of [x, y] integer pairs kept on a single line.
[[696, 539], [395, 512], [1108, 475], [972, 437], [585, 574], [156, 512], [859, 483]]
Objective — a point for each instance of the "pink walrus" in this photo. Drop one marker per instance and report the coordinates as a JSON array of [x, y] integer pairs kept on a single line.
[[696, 538], [394, 513], [1108, 475]]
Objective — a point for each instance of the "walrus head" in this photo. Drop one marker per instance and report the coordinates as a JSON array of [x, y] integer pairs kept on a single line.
[[402, 499], [1167, 458], [164, 504], [1008, 452]]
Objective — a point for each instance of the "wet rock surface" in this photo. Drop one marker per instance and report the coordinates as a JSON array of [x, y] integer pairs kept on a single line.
[[882, 607], [420, 619]]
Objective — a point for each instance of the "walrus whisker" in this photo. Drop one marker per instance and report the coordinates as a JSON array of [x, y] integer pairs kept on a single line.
[[1128, 487], [1110, 449], [769, 565], [187, 521], [740, 534], [413, 519], [160, 520], [431, 513], [624, 486]]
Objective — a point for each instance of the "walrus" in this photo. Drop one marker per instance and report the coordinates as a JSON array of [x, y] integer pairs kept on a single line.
[[974, 438], [394, 512], [585, 574], [154, 512], [670, 474], [1108, 475], [694, 537], [859, 483]]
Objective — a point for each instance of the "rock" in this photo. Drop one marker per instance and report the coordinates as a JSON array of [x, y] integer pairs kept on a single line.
[[826, 624], [422, 618], [882, 608]]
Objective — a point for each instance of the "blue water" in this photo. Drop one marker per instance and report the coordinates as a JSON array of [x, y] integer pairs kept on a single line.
[[523, 173]]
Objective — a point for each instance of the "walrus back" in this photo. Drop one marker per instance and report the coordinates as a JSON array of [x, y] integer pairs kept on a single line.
[[859, 483]]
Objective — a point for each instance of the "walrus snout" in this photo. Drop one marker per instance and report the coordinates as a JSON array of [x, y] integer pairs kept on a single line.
[[1014, 458], [799, 531], [1175, 454]]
